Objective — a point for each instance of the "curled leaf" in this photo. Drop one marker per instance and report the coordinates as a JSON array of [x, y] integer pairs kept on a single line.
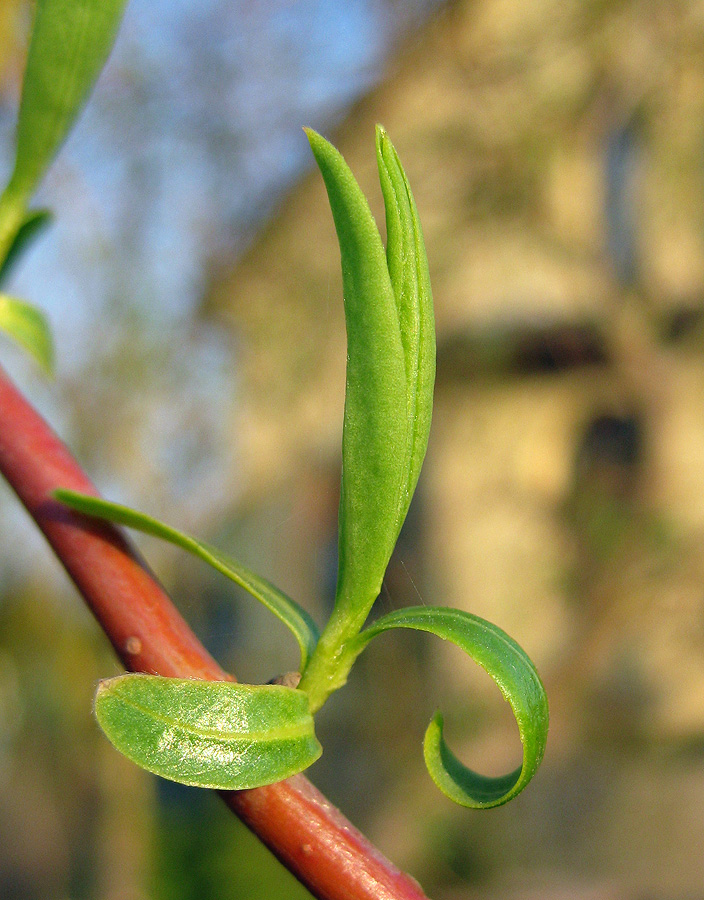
[[215, 734], [515, 675], [297, 620], [28, 327]]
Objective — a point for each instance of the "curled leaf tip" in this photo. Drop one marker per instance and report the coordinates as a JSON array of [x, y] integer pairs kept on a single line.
[[515, 675], [461, 784]]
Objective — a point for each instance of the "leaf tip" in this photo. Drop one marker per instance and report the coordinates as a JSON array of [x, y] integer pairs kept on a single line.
[[461, 784], [108, 685], [315, 139]]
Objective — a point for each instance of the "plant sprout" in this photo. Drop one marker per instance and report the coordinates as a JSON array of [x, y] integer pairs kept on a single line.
[[234, 736]]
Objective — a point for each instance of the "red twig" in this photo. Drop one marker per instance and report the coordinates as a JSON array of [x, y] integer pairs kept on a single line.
[[306, 832]]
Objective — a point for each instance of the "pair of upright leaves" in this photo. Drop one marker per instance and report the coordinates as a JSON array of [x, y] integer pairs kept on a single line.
[[234, 736], [71, 40]]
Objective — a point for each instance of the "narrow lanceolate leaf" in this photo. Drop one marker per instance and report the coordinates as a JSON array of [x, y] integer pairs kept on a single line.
[[287, 610], [71, 40], [28, 327], [214, 734], [410, 278], [515, 675], [388, 401], [374, 444]]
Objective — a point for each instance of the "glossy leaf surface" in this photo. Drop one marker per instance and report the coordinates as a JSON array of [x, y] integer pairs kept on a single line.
[[27, 326], [215, 734], [287, 610], [516, 677]]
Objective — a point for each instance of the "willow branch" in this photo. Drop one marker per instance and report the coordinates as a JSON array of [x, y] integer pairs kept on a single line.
[[306, 832]]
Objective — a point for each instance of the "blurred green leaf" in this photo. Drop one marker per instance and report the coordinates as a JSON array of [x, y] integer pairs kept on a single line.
[[33, 224], [287, 610], [516, 677], [215, 734], [71, 40], [28, 327]]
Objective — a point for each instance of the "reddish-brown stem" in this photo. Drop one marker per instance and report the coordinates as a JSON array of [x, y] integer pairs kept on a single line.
[[306, 832]]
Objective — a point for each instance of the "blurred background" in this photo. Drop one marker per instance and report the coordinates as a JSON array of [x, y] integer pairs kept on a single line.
[[556, 151]]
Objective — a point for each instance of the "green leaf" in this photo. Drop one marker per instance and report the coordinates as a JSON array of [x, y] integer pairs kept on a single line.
[[375, 424], [33, 224], [287, 610], [388, 401], [71, 40], [214, 734], [28, 327], [515, 675], [408, 269]]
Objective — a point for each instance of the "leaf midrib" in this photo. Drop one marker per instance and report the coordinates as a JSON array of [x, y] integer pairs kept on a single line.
[[284, 732]]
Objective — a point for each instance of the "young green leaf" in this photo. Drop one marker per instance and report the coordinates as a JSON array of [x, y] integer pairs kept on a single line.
[[287, 610], [28, 327], [408, 269], [515, 675], [375, 424], [71, 40], [388, 401], [215, 734], [32, 225]]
